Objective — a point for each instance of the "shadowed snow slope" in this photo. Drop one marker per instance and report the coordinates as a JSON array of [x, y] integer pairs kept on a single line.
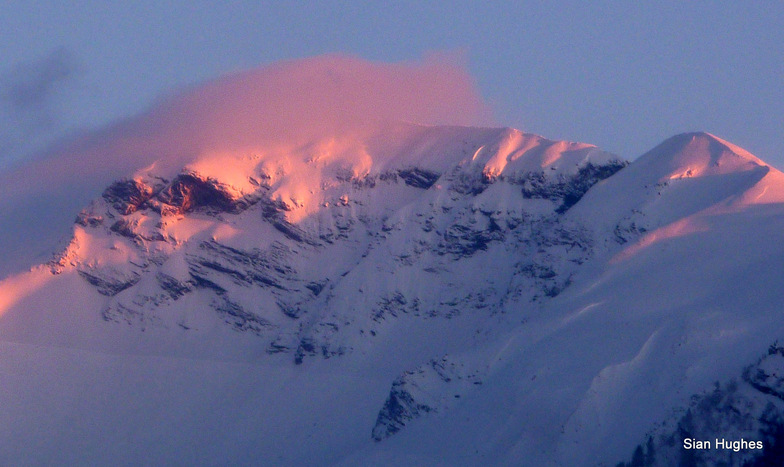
[[417, 295]]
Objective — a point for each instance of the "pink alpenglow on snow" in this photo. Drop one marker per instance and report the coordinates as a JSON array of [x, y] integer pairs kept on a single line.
[[304, 263], [278, 108]]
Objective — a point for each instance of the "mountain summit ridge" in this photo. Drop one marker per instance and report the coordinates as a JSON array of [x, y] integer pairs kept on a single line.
[[424, 277], [299, 176]]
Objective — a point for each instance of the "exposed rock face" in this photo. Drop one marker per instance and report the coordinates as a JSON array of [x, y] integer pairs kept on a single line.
[[128, 196], [418, 178], [431, 387], [85, 219], [568, 190], [185, 193], [173, 287], [110, 281], [400, 408], [188, 192]]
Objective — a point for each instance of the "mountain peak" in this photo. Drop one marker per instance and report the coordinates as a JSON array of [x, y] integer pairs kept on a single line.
[[412, 271], [683, 175], [700, 153]]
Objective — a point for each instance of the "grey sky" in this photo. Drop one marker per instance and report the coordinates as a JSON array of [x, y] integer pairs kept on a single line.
[[622, 75], [29, 96]]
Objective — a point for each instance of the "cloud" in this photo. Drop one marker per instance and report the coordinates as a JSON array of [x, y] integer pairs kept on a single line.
[[29, 87], [302, 100], [28, 94], [289, 103]]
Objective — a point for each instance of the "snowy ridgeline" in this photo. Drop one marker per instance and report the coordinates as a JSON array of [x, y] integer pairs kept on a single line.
[[461, 274], [305, 280]]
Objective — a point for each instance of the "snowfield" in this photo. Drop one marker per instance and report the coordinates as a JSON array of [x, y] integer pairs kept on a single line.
[[410, 295]]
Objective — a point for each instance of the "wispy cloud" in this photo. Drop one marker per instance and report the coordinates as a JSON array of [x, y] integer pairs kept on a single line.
[[289, 103], [285, 104], [28, 97], [298, 100]]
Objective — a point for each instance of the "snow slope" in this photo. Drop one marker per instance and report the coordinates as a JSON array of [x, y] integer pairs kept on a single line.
[[685, 299], [415, 295]]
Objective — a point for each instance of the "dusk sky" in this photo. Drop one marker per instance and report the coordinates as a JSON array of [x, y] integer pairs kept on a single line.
[[621, 75]]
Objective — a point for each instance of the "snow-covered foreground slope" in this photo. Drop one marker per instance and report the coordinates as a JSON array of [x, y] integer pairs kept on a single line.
[[417, 296]]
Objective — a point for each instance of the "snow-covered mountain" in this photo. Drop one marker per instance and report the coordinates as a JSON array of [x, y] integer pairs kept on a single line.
[[411, 295]]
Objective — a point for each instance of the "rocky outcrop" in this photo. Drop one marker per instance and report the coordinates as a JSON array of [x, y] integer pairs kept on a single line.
[[432, 387], [128, 196], [243, 267], [568, 190], [239, 318], [418, 178], [109, 281], [187, 192]]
